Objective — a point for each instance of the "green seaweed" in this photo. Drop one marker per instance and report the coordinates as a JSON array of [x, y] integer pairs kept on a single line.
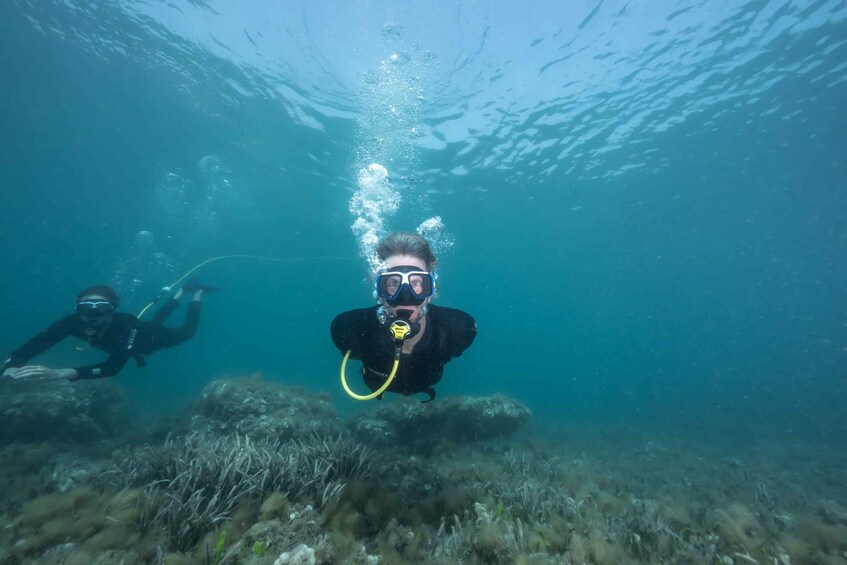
[[260, 548], [219, 549]]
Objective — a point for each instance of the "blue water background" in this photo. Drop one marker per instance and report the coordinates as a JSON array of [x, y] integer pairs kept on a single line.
[[647, 202]]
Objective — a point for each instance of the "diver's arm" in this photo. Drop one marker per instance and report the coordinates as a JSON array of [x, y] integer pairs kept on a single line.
[[40, 372], [347, 333], [108, 368], [39, 344], [461, 332]]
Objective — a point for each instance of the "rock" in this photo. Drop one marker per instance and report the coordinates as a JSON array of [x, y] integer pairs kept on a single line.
[[263, 410], [65, 471], [458, 419], [832, 512], [83, 411], [398, 536], [300, 555], [300, 526]]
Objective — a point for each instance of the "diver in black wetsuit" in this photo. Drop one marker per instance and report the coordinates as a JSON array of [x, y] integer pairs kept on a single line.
[[120, 335], [404, 290]]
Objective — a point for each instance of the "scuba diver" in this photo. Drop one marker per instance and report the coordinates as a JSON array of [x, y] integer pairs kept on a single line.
[[404, 341], [120, 335]]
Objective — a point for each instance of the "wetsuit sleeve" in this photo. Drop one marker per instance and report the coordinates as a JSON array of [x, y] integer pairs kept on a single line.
[[461, 331], [108, 368], [348, 332], [40, 343]]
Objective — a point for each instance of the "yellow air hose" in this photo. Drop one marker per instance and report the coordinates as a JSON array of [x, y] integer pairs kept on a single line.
[[380, 390], [400, 330]]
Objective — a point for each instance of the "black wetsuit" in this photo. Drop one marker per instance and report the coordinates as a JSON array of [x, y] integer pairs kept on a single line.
[[448, 333], [126, 337]]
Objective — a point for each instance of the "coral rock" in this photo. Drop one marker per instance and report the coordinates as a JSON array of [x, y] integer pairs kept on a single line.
[[263, 410], [832, 512], [458, 419], [60, 410], [300, 555], [277, 534]]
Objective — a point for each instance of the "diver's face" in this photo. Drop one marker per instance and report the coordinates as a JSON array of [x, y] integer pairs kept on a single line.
[[411, 261], [95, 316]]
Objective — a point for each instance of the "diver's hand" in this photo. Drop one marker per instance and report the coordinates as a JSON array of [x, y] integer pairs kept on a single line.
[[40, 372]]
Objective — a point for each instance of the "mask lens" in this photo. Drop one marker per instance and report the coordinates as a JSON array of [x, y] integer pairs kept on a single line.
[[389, 284], [420, 284], [95, 308]]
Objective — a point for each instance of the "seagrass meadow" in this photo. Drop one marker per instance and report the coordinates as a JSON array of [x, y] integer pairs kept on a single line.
[[253, 472]]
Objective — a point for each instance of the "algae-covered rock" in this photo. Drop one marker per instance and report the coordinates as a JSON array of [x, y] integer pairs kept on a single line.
[[294, 536], [263, 410], [832, 512], [83, 411], [65, 471], [459, 419], [300, 555]]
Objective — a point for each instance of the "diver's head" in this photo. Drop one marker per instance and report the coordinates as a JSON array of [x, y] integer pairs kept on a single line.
[[95, 306], [406, 283]]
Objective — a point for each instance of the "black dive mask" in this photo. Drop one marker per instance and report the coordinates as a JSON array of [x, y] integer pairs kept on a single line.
[[95, 314], [405, 298], [405, 285], [92, 309]]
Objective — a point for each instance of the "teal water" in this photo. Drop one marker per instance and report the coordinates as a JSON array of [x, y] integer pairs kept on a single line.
[[643, 205]]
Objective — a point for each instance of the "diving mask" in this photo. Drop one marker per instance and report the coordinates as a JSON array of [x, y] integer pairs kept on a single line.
[[94, 308], [405, 286]]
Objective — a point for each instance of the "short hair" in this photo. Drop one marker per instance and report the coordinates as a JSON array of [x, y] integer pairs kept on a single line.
[[103, 290], [407, 243]]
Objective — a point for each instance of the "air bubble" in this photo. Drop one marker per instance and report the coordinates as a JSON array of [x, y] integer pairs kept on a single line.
[[399, 58], [436, 234], [209, 165], [144, 239], [373, 202], [393, 31]]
